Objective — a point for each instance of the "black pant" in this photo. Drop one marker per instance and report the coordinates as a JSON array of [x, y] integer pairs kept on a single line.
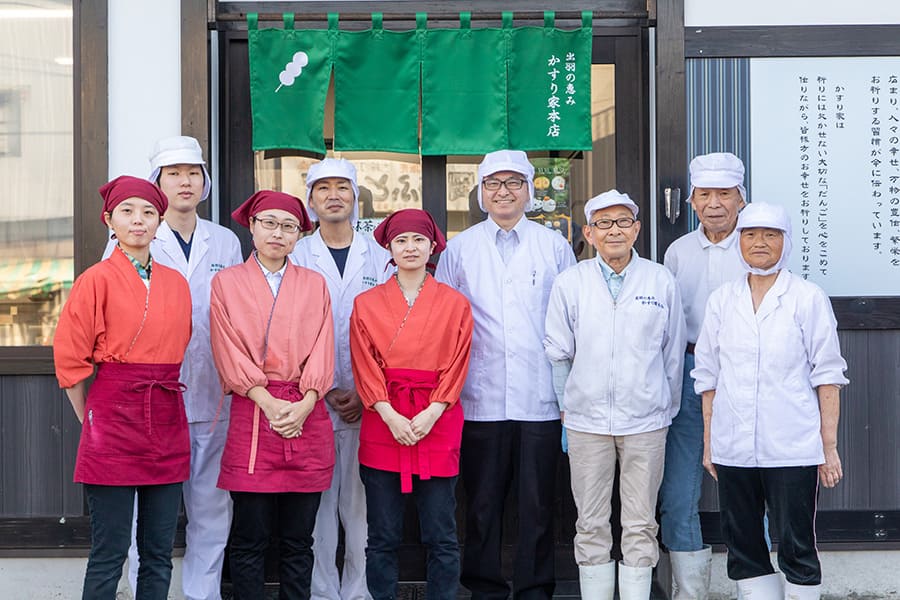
[[112, 511], [436, 505], [495, 457], [291, 516], [790, 494]]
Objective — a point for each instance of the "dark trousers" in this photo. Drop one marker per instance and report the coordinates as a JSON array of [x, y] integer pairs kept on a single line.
[[112, 512], [790, 494], [496, 457], [436, 504], [289, 515]]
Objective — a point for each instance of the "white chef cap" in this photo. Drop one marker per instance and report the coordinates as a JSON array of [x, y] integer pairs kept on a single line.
[[507, 160], [179, 150], [607, 199], [773, 216], [718, 170], [332, 167]]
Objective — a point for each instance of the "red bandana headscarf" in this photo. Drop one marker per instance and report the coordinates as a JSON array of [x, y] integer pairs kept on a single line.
[[268, 200], [124, 187]]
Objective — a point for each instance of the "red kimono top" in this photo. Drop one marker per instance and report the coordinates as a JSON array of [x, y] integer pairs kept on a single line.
[[285, 344], [135, 430], [411, 357]]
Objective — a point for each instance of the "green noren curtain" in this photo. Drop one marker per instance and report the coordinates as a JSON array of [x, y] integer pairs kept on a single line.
[[376, 90], [549, 89], [464, 90], [289, 75]]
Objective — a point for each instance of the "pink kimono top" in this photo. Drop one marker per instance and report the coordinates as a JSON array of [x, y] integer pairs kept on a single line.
[[285, 344]]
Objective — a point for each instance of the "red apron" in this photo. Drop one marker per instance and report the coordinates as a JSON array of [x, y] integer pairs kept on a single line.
[[135, 431], [258, 459], [437, 454]]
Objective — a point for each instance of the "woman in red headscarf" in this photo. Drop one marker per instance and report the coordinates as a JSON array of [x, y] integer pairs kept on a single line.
[[409, 343], [131, 318], [273, 344]]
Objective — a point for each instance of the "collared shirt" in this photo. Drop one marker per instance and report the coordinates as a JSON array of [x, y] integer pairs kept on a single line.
[[507, 241], [615, 281], [509, 375], [700, 267], [143, 271], [272, 278]]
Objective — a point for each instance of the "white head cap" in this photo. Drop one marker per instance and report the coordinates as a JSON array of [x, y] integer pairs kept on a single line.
[[772, 216], [178, 150], [607, 199], [718, 170], [332, 167], [507, 160]]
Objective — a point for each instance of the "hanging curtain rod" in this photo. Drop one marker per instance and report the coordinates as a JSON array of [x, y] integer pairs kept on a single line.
[[433, 16]]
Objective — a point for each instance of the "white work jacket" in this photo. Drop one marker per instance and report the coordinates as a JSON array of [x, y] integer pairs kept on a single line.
[[366, 267], [213, 248], [765, 368], [509, 375], [627, 354]]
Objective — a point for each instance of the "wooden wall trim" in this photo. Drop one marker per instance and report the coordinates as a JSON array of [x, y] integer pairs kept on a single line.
[[195, 78], [671, 117], [91, 139], [809, 40], [867, 313]]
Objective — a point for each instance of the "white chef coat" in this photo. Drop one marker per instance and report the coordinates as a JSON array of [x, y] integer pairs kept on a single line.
[[509, 375], [765, 368], [366, 267], [627, 354], [700, 267], [213, 248]]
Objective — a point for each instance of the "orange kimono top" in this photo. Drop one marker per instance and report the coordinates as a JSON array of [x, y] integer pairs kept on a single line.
[[285, 344], [410, 357], [104, 313], [135, 430]]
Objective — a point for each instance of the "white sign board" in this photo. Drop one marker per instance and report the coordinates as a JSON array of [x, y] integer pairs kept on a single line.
[[825, 143]]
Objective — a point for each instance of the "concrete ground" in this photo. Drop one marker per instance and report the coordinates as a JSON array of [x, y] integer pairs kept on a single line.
[[848, 576]]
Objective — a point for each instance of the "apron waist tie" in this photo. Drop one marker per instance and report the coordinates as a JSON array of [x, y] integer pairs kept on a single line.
[[407, 391], [291, 393], [170, 385]]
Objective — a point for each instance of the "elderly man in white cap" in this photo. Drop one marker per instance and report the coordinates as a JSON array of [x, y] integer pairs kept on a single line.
[[351, 264], [198, 249], [701, 261], [505, 266], [615, 336], [769, 367]]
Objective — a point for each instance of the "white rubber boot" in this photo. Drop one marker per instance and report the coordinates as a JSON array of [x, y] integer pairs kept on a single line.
[[792, 591], [690, 572], [635, 582], [764, 587], [598, 582]]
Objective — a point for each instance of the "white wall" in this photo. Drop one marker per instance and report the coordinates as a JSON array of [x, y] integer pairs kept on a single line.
[[733, 13], [144, 81]]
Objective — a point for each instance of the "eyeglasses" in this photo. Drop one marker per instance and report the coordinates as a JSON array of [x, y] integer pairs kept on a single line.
[[512, 184], [272, 224], [623, 223]]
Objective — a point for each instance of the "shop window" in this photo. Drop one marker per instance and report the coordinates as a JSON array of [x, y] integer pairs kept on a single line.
[[36, 172]]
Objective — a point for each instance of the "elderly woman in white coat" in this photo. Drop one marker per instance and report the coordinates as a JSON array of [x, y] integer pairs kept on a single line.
[[769, 368]]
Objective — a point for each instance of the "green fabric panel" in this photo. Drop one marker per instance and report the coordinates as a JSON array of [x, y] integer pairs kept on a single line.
[[464, 91], [376, 91], [287, 97], [545, 113]]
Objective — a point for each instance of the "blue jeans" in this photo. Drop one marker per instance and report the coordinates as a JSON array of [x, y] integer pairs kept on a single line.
[[112, 511], [680, 490], [436, 504]]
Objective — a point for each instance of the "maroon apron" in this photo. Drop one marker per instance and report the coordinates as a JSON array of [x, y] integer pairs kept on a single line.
[[258, 459], [135, 431], [437, 454]]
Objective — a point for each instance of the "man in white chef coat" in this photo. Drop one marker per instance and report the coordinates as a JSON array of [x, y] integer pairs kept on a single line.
[[505, 266], [615, 337], [198, 249], [351, 263]]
